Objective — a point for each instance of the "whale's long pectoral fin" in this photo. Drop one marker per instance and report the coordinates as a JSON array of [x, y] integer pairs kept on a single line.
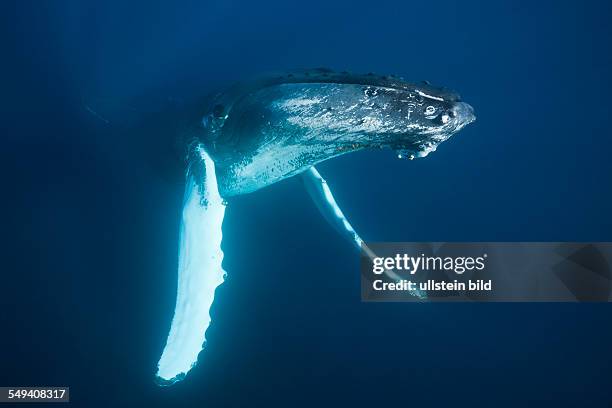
[[323, 198], [199, 268]]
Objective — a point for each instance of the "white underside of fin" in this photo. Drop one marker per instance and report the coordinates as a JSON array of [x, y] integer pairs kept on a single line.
[[199, 274], [323, 198]]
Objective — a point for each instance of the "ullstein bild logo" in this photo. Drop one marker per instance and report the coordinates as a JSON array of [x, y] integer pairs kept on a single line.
[[486, 271]]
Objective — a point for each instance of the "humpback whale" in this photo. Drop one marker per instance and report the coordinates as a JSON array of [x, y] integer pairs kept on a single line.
[[257, 133]]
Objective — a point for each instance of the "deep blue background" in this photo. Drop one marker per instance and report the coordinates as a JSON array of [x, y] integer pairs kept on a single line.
[[90, 226]]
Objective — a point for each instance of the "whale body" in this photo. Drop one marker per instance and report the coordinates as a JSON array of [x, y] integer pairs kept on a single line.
[[257, 133]]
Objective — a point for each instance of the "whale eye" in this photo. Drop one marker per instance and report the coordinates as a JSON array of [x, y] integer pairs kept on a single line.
[[430, 110]]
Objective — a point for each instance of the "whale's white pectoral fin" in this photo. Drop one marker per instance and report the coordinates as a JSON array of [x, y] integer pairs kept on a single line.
[[199, 269], [323, 198]]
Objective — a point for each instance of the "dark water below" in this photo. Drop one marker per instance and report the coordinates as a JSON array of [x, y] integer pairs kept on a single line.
[[90, 224]]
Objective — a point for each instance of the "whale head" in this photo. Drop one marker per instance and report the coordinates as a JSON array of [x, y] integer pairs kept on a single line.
[[263, 132]]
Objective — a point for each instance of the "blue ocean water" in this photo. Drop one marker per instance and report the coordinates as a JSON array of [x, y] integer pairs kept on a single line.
[[91, 213]]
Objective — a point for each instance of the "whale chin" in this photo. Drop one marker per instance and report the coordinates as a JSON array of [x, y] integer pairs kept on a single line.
[[412, 154], [415, 151]]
